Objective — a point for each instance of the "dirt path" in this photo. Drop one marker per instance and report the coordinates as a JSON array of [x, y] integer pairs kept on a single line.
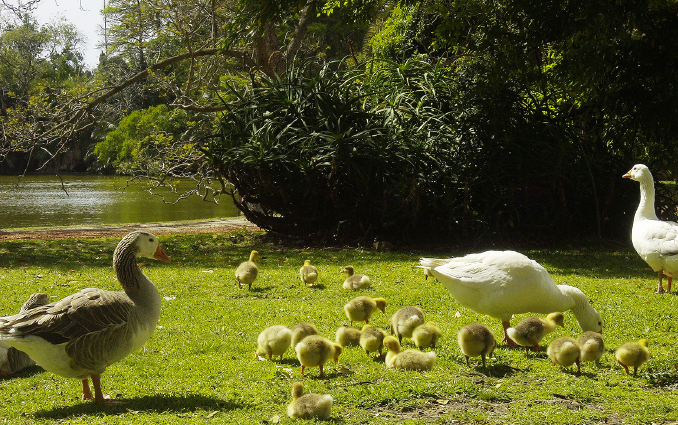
[[208, 226]]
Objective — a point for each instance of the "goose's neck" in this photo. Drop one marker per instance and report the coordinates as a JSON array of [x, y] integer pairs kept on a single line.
[[133, 281], [646, 206]]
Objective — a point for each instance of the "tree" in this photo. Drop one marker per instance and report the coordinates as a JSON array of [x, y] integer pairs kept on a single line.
[[39, 64]]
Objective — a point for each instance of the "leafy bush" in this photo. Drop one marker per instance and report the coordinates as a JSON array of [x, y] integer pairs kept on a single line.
[[142, 136], [342, 152]]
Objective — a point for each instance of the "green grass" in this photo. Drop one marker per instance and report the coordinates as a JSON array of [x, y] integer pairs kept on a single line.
[[198, 366]]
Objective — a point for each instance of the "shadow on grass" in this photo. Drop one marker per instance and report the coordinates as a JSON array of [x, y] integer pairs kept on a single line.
[[156, 403], [255, 292], [25, 373], [499, 370]]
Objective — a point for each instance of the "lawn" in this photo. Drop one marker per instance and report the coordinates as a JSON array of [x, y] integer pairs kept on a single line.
[[199, 366]]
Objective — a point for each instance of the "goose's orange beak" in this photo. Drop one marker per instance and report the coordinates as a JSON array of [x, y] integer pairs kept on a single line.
[[160, 255]]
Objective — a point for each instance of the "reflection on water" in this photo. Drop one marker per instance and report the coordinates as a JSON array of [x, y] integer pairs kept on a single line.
[[40, 201]]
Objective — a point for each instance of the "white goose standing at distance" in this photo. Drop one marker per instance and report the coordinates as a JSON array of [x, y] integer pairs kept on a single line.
[[655, 240], [82, 334], [503, 283]]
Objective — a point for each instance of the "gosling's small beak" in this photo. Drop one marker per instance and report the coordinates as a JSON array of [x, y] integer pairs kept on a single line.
[[160, 255]]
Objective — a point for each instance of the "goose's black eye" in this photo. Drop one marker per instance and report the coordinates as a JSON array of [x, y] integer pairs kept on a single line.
[[150, 240]]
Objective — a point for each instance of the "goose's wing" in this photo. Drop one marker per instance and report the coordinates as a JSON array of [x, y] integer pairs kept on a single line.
[[656, 236], [499, 283], [87, 322], [491, 268]]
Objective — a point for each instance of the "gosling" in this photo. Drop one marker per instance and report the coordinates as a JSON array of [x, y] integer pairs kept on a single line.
[[307, 406], [355, 281], [530, 331], [426, 335], [632, 354], [405, 320], [565, 352], [408, 359], [308, 273], [475, 340], [247, 271], [360, 309]]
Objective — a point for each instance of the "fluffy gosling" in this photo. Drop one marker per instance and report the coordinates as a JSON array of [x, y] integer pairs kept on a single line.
[[632, 354], [565, 352], [476, 340], [301, 330], [307, 406], [408, 359], [360, 309], [348, 336], [308, 273], [273, 341], [247, 271], [591, 345], [404, 321], [426, 335], [355, 281], [372, 339], [530, 331], [315, 350]]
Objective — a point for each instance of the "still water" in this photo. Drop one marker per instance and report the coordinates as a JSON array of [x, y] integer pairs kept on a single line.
[[40, 201]]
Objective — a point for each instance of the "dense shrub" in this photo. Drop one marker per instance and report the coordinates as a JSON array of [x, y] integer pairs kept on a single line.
[[141, 138], [419, 150], [342, 152]]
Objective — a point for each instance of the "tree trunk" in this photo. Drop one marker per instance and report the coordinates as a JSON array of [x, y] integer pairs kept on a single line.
[[267, 50]]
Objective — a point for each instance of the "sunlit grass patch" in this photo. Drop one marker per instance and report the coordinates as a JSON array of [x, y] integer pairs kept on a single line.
[[199, 364]]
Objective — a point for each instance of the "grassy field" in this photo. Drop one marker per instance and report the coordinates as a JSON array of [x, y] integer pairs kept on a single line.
[[199, 365]]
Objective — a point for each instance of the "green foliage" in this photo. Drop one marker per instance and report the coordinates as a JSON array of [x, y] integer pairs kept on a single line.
[[198, 366], [341, 152], [141, 136], [403, 34], [36, 59], [558, 101]]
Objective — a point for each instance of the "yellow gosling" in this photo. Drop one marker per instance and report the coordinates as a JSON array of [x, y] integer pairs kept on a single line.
[[273, 341], [315, 351], [565, 352], [348, 336], [408, 359], [301, 330], [632, 354], [360, 309], [591, 345], [405, 320], [476, 340], [308, 273], [530, 331], [355, 281], [247, 271], [426, 335], [372, 339], [307, 406]]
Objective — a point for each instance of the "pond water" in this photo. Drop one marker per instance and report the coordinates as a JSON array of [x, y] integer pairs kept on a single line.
[[41, 201]]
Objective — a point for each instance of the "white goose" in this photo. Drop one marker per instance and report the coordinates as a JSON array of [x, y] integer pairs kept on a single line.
[[656, 241], [82, 334], [503, 283]]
